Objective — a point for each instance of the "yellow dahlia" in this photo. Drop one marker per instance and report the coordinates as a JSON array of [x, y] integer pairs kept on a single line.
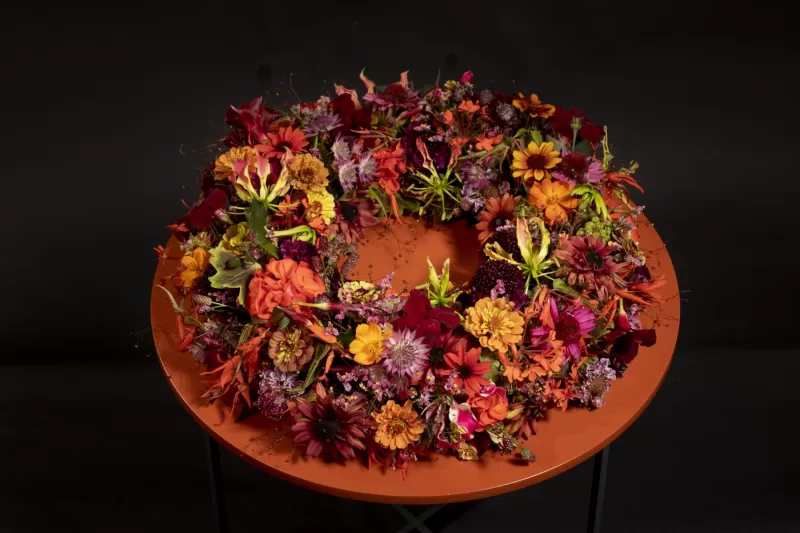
[[223, 166], [308, 173], [535, 161], [368, 346], [397, 426], [320, 204], [495, 323]]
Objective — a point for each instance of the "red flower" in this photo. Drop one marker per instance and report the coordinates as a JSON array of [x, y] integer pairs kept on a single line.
[[562, 120], [428, 322], [201, 216], [469, 372], [276, 143], [250, 122]]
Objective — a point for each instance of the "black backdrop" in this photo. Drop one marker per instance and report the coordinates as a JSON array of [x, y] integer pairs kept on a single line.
[[99, 103]]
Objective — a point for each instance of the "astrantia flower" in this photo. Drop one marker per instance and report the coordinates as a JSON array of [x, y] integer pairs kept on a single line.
[[534, 162], [495, 323], [464, 365], [596, 383], [491, 272], [328, 429], [554, 198], [367, 346], [406, 354], [587, 262], [290, 350], [348, 175], [563, 120], [397, 426], [278, 142], [322, 124], [308, 173], [320, 204], [498, 212], [576, 168]]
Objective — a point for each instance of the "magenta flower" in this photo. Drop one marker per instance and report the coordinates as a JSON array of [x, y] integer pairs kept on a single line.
[[587, 262], [570, 326], [576, 168]]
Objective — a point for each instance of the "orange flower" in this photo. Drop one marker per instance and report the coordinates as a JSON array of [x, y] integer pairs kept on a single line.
[[534, 106], [497, 212], [469, 106], [487, 143], [491, 407], [397, 426], [535, 161], [223, 166], [278, 142], [554, 198], [193, 266], [282, 282], [448, 117]]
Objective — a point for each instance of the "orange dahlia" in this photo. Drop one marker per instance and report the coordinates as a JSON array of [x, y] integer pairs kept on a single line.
[[397, 426], [498, 212], [554, 198], [535, 161], [277, 142]]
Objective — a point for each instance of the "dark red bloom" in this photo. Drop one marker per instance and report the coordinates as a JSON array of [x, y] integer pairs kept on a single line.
[[201, 215], [562, 120], [429, 322], [344, 106], [626, 343], [249, 122]]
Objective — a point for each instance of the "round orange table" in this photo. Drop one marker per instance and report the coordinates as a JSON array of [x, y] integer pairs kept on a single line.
[[564, 439]]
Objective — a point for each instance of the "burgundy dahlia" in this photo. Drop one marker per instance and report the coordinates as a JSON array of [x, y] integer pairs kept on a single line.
[[328, 429], [587, 262]]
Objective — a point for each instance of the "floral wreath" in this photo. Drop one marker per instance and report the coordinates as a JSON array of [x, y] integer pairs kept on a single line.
[[360, 370]]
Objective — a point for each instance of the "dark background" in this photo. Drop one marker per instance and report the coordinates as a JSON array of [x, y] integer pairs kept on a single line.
[[99, 103]]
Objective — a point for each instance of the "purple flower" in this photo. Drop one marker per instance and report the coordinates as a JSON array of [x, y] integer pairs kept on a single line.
[[322, 124], [406, 354], [577, 168], [298, 250], [348, 175], [274, 390], [596, 383], [570, 326]]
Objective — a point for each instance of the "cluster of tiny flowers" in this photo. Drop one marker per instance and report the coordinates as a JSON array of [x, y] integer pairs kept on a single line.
[[597, 382]]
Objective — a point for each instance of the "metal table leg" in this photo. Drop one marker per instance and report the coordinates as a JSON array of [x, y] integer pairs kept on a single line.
[[598, 490], [219, 512]]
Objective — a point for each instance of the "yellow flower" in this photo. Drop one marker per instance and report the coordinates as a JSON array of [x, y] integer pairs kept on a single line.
[[223, 166], [467, 452], [554, 198], [535, 161], [308, 173], [234, 238], [397, 426], [495, 323], [194, 266], [367, 347], [320, 204]]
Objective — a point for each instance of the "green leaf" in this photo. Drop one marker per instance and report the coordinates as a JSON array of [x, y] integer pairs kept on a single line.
[[537, 137], [346, 337], [563, 287], [257, 220], [584, 147], [231, 278], [407, 204]]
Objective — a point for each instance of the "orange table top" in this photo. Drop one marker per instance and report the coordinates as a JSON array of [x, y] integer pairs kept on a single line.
[[564, 439]]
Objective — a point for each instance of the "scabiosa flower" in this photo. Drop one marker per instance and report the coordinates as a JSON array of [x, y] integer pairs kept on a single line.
[[298, 250], [322, 124], [406, 354], [577, 168], [596, 383], [587, 262], [328, 429], [507, 239], [491, 272]]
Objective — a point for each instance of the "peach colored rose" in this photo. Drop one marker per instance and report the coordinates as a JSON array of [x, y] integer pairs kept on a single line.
[[491, 405], [282, 282]]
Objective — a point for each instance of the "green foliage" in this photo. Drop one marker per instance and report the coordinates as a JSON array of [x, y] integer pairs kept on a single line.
[[257, 220], [231, 278]]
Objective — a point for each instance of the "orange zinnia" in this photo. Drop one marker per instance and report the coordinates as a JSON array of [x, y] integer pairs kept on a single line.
[[498, 211], [278, 142], [554, 198], [535, 161]]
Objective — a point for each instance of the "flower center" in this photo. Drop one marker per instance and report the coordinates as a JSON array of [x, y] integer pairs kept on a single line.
[[594, 260], [327, 429], [374, 347], [349, 212], [597, 386], [403, 354], [397, 426], [464, 372], [315, 209], [536, 162], [568, 329]]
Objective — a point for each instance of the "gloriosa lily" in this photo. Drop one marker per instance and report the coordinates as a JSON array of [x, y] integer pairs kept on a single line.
[[590, 194], [438, 188], [265, 194], [300, 233], [535, 260], [440, 291]]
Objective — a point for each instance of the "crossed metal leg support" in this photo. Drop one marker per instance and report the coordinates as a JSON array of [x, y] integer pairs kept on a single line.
[[415, 522]]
